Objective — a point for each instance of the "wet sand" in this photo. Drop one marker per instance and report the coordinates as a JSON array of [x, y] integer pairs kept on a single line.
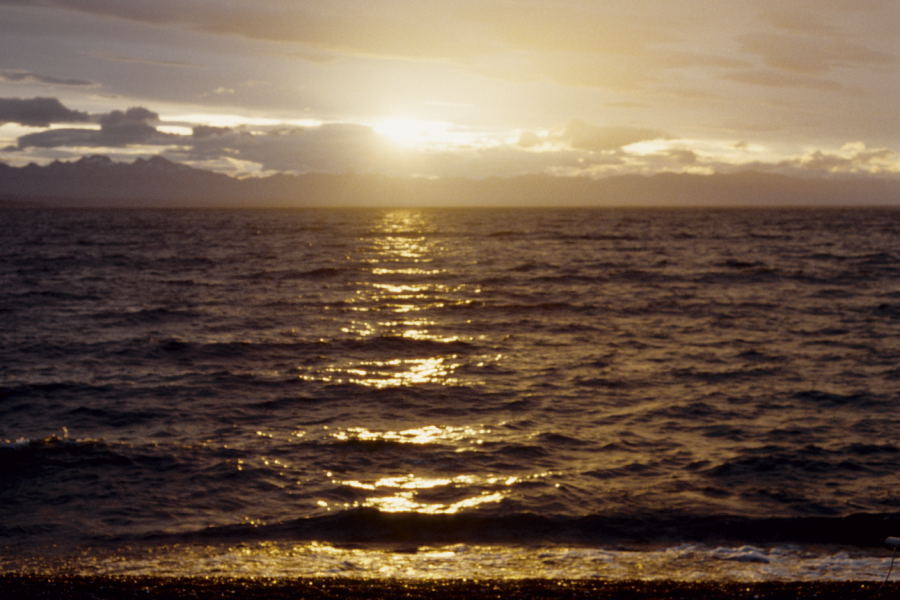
[[150, 588]]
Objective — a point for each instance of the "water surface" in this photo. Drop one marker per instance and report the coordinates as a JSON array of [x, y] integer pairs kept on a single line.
[[612, 380]]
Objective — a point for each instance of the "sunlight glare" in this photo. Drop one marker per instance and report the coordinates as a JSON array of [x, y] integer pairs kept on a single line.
[[413, 133]]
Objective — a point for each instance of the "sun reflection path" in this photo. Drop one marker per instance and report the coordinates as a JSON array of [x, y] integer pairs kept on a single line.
[[403, 493], [429, 434], [429, 492], [399, 300], [396, 372], [398, 335]]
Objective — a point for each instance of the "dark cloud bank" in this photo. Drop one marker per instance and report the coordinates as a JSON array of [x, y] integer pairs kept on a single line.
[[117, 128], [98, 181], [38, 112]]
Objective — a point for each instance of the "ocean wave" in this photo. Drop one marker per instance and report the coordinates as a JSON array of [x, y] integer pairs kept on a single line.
[[296, 274], [44, 295], [148, 315], [537, 306], [63, 389], [786, 464], [233, 350], [726, 375], [819, 397], [369, 525], [741, 276], [31, 458]]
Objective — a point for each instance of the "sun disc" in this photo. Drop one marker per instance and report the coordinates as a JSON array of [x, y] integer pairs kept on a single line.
[[411, 132]]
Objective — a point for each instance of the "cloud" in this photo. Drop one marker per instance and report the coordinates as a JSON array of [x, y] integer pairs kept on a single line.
[[332, 147], [132, 126], [528, 139], [578, 149], [29, 77], [574, 43], [811, 54], [848, 5], [682, 156], [653, 53], [778, 79], [389, 28], [854, 157], [144, 61], [38, 112], [54, 138], [584, 69], [117, 128], [328, 148], [203, 131], [798, 22], [346, 147], [584, 136]]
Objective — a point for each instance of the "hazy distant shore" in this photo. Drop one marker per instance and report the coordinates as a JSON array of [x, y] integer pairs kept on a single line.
[[97, 181], [149, 588]]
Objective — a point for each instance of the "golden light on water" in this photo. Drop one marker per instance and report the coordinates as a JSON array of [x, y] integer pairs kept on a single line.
[[395, 304], [396, 372], [406, 502], [428, 493], [429, 434], [397, 299], [410, 482], [414, 291], [416, 328], [403, 493], [405, 271]]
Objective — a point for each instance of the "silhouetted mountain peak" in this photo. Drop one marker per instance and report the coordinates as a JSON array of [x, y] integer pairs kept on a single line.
[[95, 160], [158, 163]]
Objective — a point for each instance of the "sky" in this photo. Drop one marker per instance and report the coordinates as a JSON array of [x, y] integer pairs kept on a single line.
[[456, 88]]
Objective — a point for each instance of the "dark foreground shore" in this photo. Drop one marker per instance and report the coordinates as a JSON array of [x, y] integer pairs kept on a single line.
[[150, 588]]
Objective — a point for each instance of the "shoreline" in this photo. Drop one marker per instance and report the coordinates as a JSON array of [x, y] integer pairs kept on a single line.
[[170, 588]]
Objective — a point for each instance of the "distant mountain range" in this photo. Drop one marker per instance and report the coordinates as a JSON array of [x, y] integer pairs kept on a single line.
[[158, 182]]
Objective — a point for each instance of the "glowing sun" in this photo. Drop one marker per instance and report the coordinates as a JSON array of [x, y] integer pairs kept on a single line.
[[413, 133]]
